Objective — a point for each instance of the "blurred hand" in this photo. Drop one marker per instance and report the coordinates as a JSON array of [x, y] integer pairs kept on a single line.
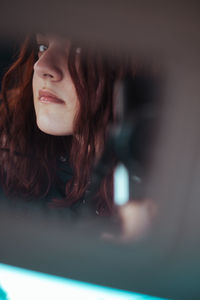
[[136, 219]]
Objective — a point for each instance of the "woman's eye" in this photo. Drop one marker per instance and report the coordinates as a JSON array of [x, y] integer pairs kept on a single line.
[[41, 48]]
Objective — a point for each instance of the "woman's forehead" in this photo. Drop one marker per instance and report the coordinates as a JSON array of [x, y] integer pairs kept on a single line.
[[52, 37]]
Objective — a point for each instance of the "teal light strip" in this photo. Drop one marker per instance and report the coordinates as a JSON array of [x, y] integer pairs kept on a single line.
[[121, 185], [21, 284]]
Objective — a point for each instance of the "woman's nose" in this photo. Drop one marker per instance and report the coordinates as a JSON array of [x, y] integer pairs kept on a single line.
[[48, 67]]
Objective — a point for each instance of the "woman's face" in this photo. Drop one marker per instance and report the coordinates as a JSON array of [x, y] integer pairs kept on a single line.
[[55, 98]]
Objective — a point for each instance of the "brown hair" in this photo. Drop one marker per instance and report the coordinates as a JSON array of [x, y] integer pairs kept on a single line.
[[28, 158]]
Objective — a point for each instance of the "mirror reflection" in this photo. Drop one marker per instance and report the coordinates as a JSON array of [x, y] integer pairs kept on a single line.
[[77, 130]]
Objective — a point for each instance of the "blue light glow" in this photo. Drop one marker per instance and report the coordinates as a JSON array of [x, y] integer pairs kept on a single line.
[[22, 284], [121, 185]]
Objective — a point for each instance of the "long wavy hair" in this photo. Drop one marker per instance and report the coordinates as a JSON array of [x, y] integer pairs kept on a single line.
[[28, 156]]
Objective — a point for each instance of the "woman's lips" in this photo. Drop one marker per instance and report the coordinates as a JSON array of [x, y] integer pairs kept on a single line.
[[47, 97]]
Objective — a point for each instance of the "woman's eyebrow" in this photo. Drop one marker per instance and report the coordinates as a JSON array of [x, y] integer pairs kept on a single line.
[[41, 35]]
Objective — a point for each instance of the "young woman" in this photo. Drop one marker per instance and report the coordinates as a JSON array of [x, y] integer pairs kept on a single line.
[[56, 109]]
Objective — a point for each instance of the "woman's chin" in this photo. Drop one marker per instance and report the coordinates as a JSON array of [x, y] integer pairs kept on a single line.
[[50, 128]]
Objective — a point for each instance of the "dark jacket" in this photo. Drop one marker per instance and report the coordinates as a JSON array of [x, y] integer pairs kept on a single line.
[[56, 191]]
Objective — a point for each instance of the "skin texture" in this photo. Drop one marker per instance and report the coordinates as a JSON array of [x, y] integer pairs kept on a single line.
[[51, 75]]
